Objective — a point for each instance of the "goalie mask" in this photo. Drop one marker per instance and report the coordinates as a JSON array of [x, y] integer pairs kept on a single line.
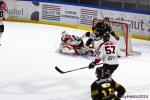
[[65, 37]]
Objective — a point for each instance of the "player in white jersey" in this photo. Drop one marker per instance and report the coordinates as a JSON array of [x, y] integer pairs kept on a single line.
[[109, 53], [3, 16], [72, 42]]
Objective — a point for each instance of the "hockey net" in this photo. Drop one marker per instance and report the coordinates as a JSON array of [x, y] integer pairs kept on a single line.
[[122, 28]]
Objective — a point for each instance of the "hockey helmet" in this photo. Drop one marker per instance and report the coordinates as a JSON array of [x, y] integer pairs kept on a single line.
[[65, 37], [106, 18], [106, 37], [101, 72]]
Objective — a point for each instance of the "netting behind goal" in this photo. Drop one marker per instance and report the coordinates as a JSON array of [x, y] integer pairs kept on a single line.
[[122, 28]]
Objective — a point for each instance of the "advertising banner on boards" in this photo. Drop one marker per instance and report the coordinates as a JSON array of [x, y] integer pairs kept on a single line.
[[75, 15]]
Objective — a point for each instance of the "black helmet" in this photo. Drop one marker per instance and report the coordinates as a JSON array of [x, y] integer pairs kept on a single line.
[[101, 72], [106, 18], [106, 37]]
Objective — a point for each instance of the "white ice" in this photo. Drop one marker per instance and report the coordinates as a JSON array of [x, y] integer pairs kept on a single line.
[[28, 57]]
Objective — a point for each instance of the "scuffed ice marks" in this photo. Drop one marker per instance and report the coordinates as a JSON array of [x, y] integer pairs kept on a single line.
[[50, 89]]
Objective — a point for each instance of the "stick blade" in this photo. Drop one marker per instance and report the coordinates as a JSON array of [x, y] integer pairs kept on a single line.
[[60, 71]]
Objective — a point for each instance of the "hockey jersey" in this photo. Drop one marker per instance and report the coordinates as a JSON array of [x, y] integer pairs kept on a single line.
[[108, 53]]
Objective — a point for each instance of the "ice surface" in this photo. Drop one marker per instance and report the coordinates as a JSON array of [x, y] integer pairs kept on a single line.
[[28, 57]]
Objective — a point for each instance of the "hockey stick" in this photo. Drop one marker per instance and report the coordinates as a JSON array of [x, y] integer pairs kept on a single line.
[[62, 72]]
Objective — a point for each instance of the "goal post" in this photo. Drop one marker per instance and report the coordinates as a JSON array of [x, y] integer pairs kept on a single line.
[[123, 29]]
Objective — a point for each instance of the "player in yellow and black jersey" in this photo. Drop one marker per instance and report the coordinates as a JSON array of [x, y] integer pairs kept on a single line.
[[105, 88], [103, 27], [98, 31]]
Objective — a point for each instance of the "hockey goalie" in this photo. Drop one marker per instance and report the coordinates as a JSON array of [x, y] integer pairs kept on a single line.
[[73, 44]]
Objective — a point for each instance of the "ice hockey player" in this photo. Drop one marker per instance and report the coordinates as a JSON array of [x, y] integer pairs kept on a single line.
[[105, 88], [98, 31], [3, 16], [72, 42], [109, 53], [103, 27]]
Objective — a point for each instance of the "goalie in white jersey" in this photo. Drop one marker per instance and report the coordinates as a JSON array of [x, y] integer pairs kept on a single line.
[[72, 42], [109, 53]]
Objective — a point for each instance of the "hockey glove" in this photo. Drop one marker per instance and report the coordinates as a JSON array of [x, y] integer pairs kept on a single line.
[[91, 65]]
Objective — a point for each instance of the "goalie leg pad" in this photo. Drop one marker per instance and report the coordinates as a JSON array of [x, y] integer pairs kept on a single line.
[[68, 47], [81, 51]]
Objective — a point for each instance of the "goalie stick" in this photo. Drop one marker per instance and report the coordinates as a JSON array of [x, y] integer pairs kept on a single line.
[[62, 72]]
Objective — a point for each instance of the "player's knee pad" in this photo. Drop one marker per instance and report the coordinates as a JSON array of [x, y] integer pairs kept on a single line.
[[1, 28]]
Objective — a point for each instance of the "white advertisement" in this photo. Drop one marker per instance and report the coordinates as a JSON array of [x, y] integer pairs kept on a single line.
[[87, 15], [70, 15], [23, 10], [140, 23], [50, 12], [59, 13]]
